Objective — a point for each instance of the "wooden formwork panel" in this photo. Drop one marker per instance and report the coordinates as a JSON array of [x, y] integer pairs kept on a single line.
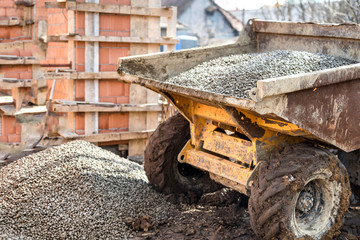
[[136, 22]]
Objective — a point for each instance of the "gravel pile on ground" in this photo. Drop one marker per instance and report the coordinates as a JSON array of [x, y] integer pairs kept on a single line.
[[235, 75], [75, 190]]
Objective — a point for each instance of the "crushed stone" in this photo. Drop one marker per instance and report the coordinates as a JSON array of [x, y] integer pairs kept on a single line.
[[76, 190], [235, 75]]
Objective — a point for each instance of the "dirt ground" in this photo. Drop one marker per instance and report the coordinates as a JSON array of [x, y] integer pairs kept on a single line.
[[217, 218]]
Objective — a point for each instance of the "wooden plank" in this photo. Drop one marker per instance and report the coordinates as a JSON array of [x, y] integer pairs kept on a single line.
[[82, 75], [6, 100], [9, 83], [55, 4], [18, 44], [31, 110], [73, 106], [107, 137], [19, 95], [65, 38], [22, 61], [9, 57], [25, 3], [114, 9], [7, 110], [15, 22]]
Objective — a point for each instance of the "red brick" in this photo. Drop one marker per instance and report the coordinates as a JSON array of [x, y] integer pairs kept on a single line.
[[108, 99], [40, 4], [80, 55], [7, 3], [114, 22], [123, 45], [80, 32], [2, 12], [112, 88], [104, 55], [107, 45], [114, 33], [58, 29], [4, 32], [3, 138], [103, 121], [126, 89], [80, 21], [25, 52], [13, 12], [116, 53], [16, 32], [41, 11], [118, 120], [12, 75], [80, 89], [18, 128], [122, 100], [8, 125], [20, 68], [80, 44], [57, 44], [80, 68], [14, 138], [26, 75], [11, 52], [107, 68], [58, 52], [116, 88], [80, 121]]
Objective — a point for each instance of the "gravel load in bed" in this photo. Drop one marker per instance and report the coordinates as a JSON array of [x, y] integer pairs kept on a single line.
[[76, 190], [235, 75]]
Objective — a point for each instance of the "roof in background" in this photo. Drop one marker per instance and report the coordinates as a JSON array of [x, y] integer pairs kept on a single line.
[[234, 22], [183, 4], [180, 4]]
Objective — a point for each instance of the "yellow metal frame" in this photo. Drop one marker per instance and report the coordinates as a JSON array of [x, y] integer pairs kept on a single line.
[[230, 142]]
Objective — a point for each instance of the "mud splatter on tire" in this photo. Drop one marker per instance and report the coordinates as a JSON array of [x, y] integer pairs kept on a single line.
[[300, 177]]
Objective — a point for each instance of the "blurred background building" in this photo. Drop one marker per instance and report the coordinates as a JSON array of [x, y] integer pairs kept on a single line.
[[207, 22]]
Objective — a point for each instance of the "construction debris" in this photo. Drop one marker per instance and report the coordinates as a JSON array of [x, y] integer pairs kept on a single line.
[[235, 75], [75, 190]]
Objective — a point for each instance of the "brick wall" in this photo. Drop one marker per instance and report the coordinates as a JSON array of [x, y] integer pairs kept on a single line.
[[109, 90]]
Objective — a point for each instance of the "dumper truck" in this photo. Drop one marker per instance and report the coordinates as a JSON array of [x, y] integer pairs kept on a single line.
[[291, 145]]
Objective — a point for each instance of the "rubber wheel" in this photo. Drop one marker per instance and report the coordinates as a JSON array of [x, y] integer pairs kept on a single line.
[[162, 168], [302, 192]]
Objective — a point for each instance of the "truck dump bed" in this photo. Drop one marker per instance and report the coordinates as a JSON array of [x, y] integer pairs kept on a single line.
[[325, 103]]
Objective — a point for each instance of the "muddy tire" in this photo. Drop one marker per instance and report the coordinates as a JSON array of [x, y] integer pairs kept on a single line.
[[162, 168], [302, 192]]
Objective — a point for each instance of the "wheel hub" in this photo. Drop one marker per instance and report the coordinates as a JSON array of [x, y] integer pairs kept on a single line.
[[305, 202]]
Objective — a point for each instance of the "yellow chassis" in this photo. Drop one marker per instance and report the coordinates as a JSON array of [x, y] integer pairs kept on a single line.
[[230, 142]]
